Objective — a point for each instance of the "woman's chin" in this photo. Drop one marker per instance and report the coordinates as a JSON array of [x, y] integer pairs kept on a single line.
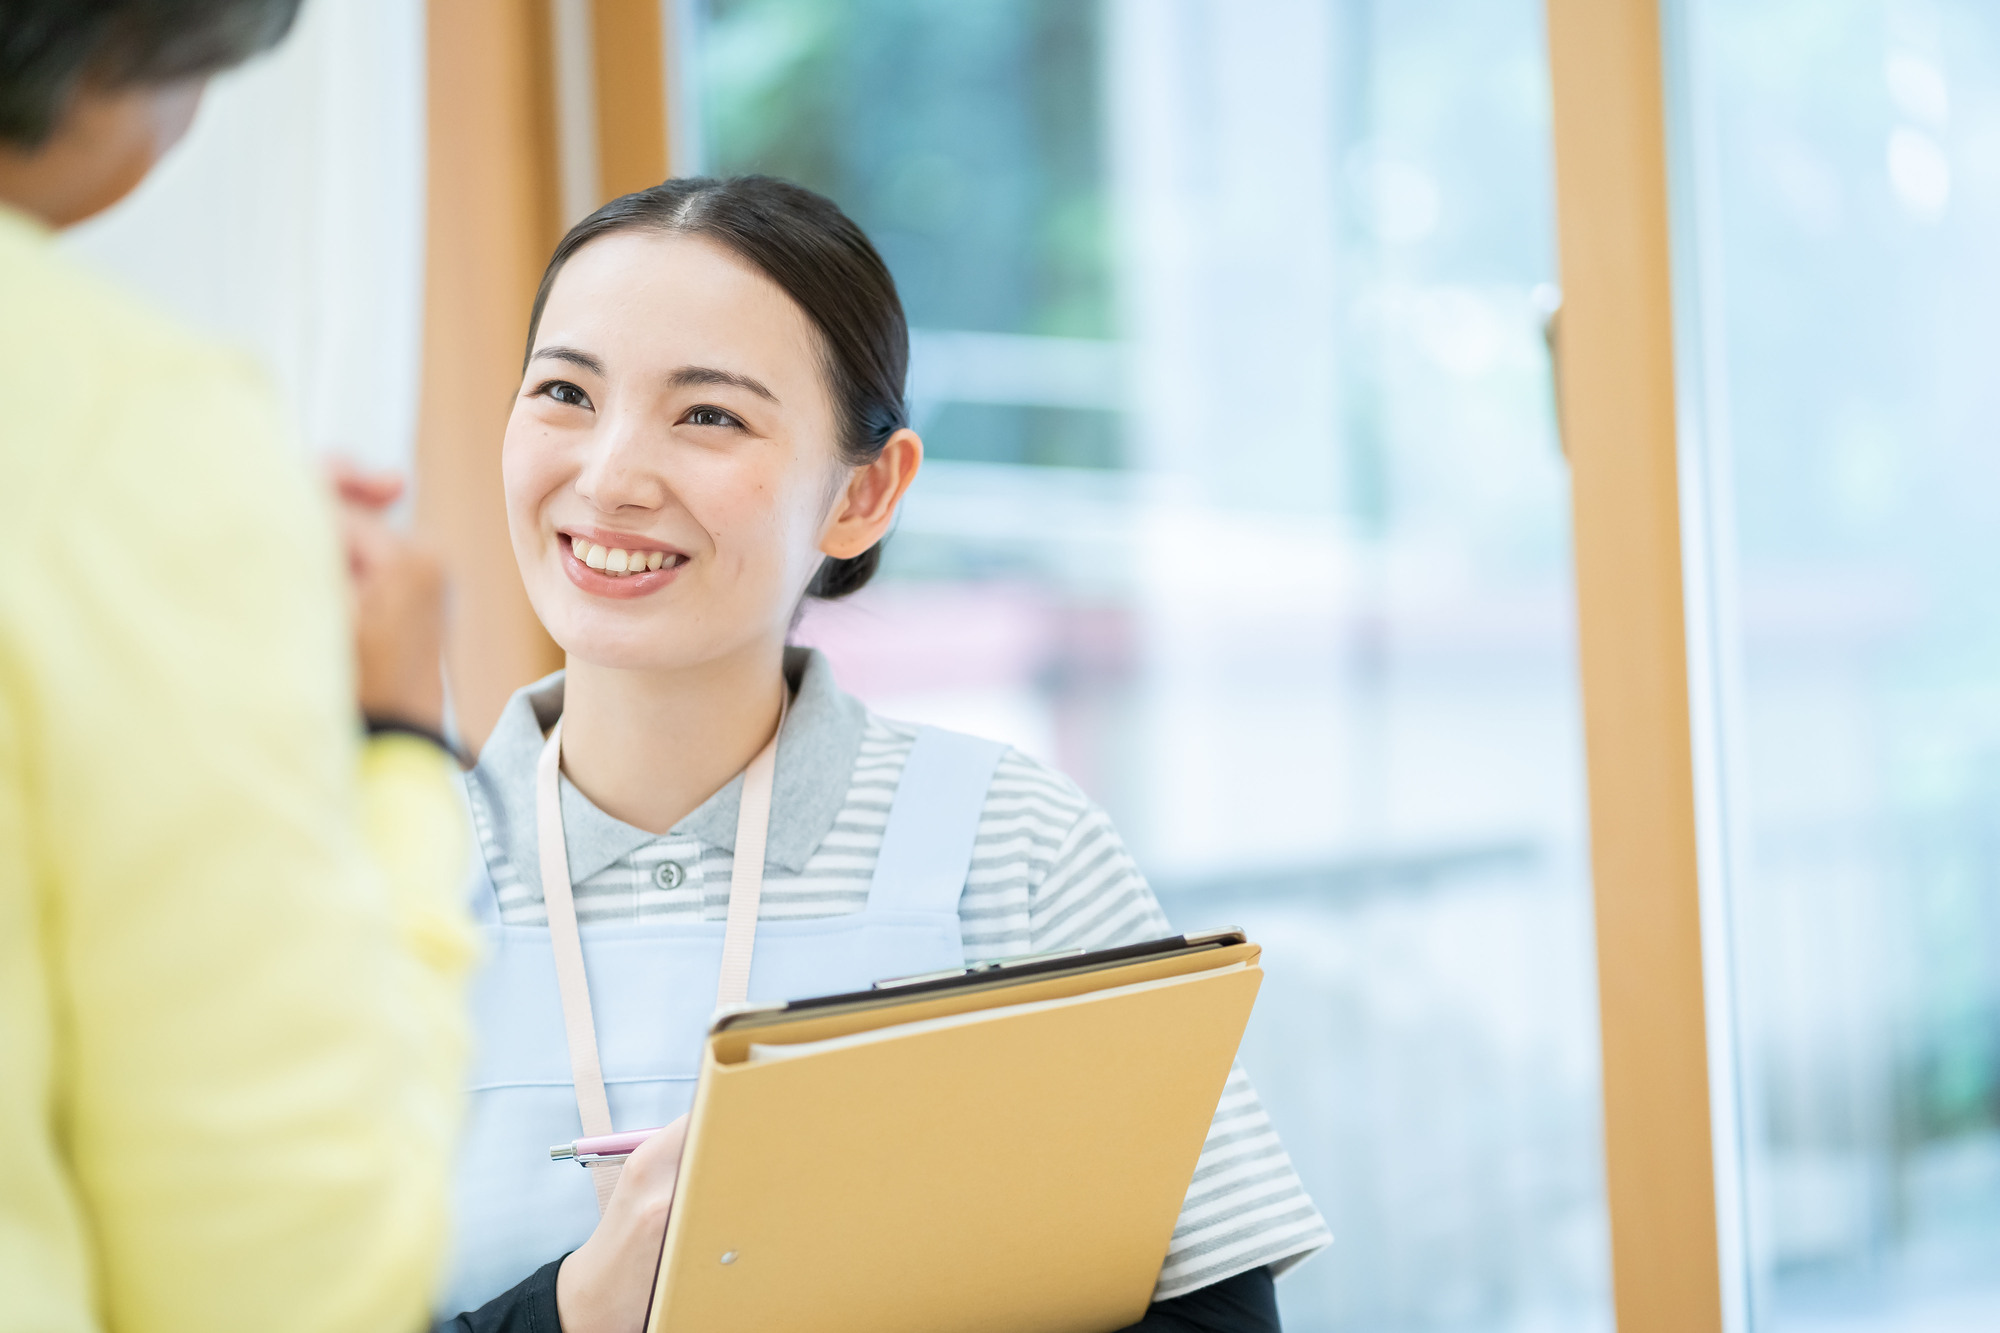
[[655, 646], [612, 653]]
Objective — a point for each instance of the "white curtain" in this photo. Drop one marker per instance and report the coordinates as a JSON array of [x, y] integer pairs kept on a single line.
[[290, 223]]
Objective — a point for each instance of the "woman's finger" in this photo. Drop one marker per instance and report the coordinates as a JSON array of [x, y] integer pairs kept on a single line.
[[605, 1283], [654, 1166]]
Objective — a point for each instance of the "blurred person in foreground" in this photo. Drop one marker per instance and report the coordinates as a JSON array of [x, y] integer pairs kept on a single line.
[[230, 952]]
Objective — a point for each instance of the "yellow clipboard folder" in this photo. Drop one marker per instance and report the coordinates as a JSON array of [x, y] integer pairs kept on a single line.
[[1002, 1150]]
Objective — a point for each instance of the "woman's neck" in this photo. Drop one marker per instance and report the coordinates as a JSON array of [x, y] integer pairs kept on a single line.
[[649, 747]]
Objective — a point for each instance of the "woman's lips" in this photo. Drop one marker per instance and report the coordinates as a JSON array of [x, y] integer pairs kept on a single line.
[[597, 569]]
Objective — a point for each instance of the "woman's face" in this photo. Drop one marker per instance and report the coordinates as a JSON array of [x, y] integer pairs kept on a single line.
[[671, 464]]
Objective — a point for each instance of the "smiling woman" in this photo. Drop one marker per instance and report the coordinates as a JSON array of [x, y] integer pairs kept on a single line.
[[755, 443], [709, 430]]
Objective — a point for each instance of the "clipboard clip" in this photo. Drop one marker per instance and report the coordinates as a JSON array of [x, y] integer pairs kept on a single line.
[[991, 965]]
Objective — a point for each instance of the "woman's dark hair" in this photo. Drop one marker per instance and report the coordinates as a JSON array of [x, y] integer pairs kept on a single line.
[[49, 47], [804, 243]]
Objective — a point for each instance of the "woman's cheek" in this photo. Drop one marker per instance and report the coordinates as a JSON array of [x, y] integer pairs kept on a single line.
[[517, 472], [528, 481], [513, 491]]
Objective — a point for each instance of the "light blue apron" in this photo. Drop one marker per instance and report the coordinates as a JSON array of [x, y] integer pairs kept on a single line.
[[652, 993]]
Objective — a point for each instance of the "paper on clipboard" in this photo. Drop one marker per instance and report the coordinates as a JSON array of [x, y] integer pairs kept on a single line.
[[762, 1052]]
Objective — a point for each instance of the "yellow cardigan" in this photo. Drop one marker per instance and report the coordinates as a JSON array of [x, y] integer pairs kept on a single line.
[[230, 947]]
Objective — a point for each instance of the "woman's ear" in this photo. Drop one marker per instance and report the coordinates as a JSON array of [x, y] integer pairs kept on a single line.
[[867, 504]]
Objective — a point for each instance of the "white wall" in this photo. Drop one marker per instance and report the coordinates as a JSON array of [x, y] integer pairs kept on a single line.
[[291, 223]]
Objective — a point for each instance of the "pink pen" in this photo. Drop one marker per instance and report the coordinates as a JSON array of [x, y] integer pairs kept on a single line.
[[602, 1148]]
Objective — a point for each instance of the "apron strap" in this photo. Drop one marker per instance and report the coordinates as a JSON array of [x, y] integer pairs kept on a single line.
[[746, 874], [746, 891], [593, 1107], [933, 821]]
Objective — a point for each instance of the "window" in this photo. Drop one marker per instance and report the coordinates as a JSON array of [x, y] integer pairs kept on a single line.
[[1244, 508], [1845, 198]]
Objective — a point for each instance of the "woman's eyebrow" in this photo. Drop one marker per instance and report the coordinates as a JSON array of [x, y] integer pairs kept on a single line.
[[583, 360], [688, 377]]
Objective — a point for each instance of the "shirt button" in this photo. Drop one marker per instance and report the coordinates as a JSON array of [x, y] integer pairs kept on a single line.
[[669, 875]]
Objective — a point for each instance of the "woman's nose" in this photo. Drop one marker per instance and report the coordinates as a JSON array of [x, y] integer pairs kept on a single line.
[[616, 472]]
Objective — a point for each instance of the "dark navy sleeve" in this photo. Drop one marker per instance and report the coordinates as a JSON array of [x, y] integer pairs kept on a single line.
[[1246, 1303], [529, 1307]]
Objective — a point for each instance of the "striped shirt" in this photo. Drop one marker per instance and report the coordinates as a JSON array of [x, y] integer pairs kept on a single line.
[[1048, 872]]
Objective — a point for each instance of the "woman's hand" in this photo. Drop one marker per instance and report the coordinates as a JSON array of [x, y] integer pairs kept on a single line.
[[604, 1286], [398, 601]]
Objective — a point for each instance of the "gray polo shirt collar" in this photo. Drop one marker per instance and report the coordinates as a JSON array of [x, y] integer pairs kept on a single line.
[[816, 752]]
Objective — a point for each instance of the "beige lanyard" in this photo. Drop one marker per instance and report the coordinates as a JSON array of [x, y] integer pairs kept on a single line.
[[746, 889]]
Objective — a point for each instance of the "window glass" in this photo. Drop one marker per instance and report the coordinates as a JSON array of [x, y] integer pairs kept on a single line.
[[1244, 508], [1846, 203]]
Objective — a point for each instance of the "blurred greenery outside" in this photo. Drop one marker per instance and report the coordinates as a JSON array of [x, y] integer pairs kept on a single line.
[[968, 138], [964, 137]]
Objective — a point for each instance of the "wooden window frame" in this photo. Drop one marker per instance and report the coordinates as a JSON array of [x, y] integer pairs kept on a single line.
[[504, 183], [1646, 631]]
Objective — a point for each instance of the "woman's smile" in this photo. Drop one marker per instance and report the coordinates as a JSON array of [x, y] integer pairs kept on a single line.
[[609, 564]]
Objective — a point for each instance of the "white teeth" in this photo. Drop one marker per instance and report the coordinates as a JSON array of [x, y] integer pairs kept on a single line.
[[611, 560]]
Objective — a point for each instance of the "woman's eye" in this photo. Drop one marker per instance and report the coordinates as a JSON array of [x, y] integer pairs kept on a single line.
[[566, 393], [710, 416]]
